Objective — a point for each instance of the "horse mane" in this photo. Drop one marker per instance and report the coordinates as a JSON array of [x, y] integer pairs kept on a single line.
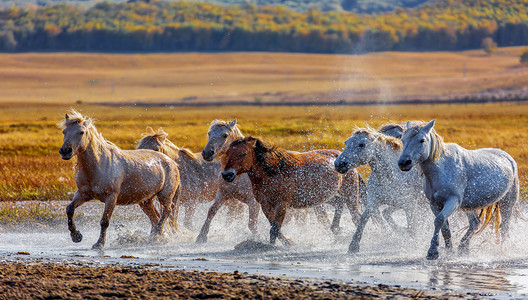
[[393, 142], [220, 123], [437, 142], [166, 146], [272, 159]]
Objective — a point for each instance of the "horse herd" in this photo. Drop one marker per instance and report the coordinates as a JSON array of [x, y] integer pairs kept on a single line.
[[410, 164]]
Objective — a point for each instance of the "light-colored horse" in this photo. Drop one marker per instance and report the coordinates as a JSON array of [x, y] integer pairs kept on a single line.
[[200, 179], [116, 177], [220, 136], [387, 184], [457, 178]]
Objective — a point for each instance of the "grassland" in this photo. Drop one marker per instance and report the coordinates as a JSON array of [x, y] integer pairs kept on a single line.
[[31, 168], [67, 78]]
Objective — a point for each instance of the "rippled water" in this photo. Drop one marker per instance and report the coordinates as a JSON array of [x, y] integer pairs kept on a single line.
[[385, 257]]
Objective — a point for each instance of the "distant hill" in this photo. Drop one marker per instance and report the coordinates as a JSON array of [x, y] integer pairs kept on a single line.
[[200, 26], [357, 6]]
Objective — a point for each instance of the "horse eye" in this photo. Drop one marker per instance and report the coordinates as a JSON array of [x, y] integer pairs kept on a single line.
[[244, 154], [361, 145], [422, 141], [81, 133], [225, 135]]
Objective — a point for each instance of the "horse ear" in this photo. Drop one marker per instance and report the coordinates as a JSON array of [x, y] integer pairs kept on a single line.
[[66, 117], [232, 123], [427, 128], [409, 125], [260, 147]]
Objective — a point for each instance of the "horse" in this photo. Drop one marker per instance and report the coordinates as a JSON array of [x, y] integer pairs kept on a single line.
[[387, 185], [116, 177], [282, 179], [200, 179], [457, 178]]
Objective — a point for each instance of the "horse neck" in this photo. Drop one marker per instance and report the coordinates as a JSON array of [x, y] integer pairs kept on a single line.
[[96, 155], [384, 159], [432, 169], [233, 135]]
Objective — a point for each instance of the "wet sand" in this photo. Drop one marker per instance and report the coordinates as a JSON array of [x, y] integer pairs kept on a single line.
[[57, 281]]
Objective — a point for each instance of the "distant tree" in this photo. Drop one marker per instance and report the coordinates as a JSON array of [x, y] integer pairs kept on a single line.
[[489, 46], [9, 42], [524, 56]]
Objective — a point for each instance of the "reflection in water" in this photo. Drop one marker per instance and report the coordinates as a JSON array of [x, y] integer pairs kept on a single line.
[[385, 257]]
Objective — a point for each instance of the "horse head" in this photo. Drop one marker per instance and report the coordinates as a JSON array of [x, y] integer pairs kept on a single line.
[[240, 157], [75, 140], [418, 145], [220, 135], [359, 149]]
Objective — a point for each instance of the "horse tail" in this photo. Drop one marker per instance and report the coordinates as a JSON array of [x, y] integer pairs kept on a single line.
[[173, 217], [491, 215]]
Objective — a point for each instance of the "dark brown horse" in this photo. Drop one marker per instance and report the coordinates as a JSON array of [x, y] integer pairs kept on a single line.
[[282, 179]]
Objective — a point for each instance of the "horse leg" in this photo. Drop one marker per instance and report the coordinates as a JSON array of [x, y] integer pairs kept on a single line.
[[219, 201], [321, 215], [276, 225], [254, 209], [446, 232], [170, 203], [387, 215], [190, 208], [474, 222], [372, 206], [450, 206], [507, 205], [353, 208], [110, 202], [78, 200], [338, 206], [150, 210]]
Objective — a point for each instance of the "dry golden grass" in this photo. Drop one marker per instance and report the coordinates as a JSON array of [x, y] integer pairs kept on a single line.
[[70, 77], [31, 167]]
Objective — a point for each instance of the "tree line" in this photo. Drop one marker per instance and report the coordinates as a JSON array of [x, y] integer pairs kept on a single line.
[[200, 26]]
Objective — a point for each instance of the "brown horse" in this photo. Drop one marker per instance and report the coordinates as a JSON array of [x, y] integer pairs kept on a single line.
[[116, 177], [282, 179], [200, 179]]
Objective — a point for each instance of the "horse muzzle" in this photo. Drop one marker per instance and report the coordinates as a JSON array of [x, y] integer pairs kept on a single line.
[[66, 153], [229, 175], [405, 164], [341, 166], [208, 155]]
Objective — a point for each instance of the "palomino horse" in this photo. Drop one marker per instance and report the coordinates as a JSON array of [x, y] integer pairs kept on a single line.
[[387, 185], [116, 177], [200, 179], [457, 178], [282, 179]]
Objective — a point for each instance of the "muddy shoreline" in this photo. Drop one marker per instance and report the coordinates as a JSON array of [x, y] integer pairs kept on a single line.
[[45, 280]]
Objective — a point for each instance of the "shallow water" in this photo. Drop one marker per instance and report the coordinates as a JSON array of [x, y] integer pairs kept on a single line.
[[386, 256]]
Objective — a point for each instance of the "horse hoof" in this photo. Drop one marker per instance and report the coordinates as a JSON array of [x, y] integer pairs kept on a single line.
[[76, 236], [97, 246], [336, 230], [432, 255], [201, 239], [353, 248]]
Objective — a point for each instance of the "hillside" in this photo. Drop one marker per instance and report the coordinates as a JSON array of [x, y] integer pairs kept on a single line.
[[192, 26], [358, 6]]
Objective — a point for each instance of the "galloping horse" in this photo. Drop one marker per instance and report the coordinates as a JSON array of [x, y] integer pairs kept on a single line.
[[457, 178], [387, 184], [200, 179], [116, 177], [282, 179], [220, 135]]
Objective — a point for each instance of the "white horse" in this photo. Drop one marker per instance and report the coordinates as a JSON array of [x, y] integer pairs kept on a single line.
[[457, 178], [387, 185], [117, 177]]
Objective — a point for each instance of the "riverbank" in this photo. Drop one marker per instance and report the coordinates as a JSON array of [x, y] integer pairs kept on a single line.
[[57, 281]]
